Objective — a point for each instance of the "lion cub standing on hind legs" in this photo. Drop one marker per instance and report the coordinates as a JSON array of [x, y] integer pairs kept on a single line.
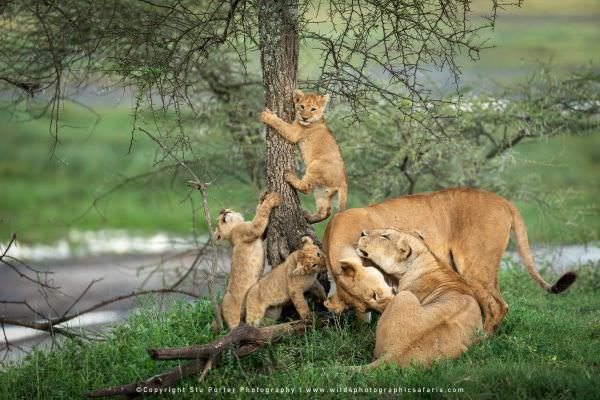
[[247, 254], [320, 152], [288, 281]]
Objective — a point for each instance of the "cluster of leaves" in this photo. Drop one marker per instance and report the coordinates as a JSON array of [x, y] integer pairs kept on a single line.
[[474, 144]]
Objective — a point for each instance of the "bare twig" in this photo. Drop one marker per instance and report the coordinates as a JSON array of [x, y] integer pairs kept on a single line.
[[202, 187]]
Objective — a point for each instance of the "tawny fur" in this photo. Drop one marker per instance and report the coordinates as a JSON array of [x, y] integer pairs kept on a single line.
[[247, 254], [366, 283], [288, 281], [466, 228], [433, 316], [325, 172]]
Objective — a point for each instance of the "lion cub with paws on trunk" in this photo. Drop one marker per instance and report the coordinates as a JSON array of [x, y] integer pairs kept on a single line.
[[433, 316], [288, 281], [247, 254], [320, 153]]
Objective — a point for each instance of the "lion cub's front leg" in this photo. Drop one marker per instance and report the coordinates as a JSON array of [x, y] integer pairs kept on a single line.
[[297, 297], [289, 132], [318, 290]]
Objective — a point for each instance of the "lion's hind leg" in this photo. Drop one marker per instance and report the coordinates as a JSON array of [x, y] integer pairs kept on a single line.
[[323, 199], [304, 185], [231, 310]]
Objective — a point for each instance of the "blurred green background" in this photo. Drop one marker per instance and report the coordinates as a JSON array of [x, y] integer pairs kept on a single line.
[[42, 198]]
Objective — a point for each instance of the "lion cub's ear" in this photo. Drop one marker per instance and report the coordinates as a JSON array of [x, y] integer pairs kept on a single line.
[[404, 250], [323, 100], [297, 95], [307, 240], [350, 268], [299, 270]]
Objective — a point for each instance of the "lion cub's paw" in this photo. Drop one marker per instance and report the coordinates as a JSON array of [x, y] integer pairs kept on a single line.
[[289, 176], [267, 115], [272, 199], [307, 215]]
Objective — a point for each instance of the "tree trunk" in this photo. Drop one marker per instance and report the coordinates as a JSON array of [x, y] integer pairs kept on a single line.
[[278, 29]]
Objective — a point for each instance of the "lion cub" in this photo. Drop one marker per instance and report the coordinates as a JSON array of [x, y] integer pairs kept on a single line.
[[433, 316], [288, 281], [247, 254], [320, 152]]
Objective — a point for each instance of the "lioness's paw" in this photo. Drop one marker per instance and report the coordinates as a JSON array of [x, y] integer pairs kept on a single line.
[[267, 115]]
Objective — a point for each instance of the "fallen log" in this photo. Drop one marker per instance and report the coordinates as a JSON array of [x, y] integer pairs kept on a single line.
[[242, 340]]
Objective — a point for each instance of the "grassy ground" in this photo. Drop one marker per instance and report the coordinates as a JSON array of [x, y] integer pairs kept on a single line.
[[567, 169], [540, 30], [547, 347], [43, 198]]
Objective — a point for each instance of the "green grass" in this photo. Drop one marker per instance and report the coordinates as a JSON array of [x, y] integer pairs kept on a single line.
[[42, 198], [567, 171], [547, 347]]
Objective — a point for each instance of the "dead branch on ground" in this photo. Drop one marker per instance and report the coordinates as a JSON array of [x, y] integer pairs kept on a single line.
[[242, 341]]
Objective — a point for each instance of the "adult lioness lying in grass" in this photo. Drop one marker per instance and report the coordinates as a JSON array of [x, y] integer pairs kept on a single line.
[[433, 316], [466, 228]]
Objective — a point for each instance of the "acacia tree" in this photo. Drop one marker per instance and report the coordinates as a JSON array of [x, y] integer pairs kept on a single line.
[[181, 56]]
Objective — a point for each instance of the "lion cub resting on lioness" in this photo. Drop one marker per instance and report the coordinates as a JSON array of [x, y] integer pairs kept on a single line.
[[288, 281], [433, 316], [320, 152]]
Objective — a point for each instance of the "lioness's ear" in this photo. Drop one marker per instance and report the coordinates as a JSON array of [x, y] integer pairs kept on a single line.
[[403, 250], [297, 95], [419, 233], [349, 267], [306, 240], [324, 100]]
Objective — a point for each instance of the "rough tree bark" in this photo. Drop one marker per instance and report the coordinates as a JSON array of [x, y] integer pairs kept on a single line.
[[278, 30]]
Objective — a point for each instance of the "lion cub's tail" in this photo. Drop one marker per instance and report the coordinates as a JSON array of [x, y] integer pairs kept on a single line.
[[520, 232], [343, 195]]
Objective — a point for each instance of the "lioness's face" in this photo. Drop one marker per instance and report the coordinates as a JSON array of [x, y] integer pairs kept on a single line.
[[310, 259], [309, 107], [366, 285], [227, 220], [388, 248]]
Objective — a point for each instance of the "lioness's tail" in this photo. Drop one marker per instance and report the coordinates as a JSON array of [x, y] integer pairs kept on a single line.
[[343, 195], [518, 226]]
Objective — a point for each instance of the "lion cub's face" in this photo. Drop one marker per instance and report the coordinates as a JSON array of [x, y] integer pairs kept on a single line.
[[227, 220], [366, 285], [310, 259], [309, 107], [389, 248]]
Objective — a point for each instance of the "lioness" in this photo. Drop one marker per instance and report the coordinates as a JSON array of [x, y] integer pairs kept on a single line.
[[468, 229], [289, 281], [320, 152], [433, 316]]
